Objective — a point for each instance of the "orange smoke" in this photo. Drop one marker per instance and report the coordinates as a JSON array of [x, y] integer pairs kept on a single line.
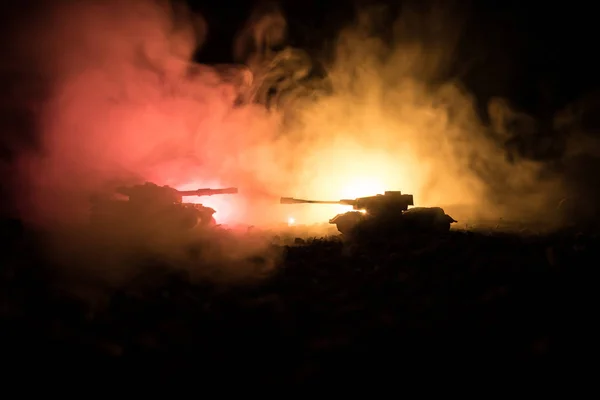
[[128, 106]]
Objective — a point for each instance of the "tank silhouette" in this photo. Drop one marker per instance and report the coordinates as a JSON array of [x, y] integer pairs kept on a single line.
[[386, 212], [150, 207]]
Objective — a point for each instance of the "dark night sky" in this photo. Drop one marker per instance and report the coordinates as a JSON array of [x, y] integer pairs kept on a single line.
[[522, 49], [517, 47]]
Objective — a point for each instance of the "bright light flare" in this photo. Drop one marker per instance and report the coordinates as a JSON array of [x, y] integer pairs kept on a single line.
[[348, 170], [291, 221], [363, 185]]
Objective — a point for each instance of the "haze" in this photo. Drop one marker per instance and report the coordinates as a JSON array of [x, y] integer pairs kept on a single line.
[[127, 105]]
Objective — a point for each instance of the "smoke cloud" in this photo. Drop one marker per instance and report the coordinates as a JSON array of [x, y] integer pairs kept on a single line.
[[125, 104], [395, 121]]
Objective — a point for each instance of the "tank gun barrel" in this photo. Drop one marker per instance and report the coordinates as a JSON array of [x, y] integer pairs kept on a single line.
[[291, 200], [207, 192]]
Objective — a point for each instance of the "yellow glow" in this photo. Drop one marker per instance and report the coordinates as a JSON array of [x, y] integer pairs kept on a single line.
[[291, 221], [388, 122], [347, 170]]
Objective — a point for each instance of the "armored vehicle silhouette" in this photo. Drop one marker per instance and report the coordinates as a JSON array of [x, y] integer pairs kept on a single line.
[[388, 212], [151, 207]]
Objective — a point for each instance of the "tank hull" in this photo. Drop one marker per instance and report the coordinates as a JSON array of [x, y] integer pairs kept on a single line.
[[124, 215], [418, 219]]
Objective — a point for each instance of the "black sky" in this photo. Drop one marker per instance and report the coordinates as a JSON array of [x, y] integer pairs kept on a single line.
[[541, 55]]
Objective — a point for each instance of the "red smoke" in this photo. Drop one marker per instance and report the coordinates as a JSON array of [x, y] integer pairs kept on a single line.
[[127, 106]]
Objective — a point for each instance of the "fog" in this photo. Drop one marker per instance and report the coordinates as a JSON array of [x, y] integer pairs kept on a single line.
[[126, 104]]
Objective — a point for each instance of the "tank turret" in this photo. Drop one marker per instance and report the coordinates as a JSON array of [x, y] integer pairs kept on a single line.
[[389, 211], [380, 203]]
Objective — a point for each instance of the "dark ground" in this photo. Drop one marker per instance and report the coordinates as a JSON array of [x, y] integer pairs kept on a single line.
[[467, 305]]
